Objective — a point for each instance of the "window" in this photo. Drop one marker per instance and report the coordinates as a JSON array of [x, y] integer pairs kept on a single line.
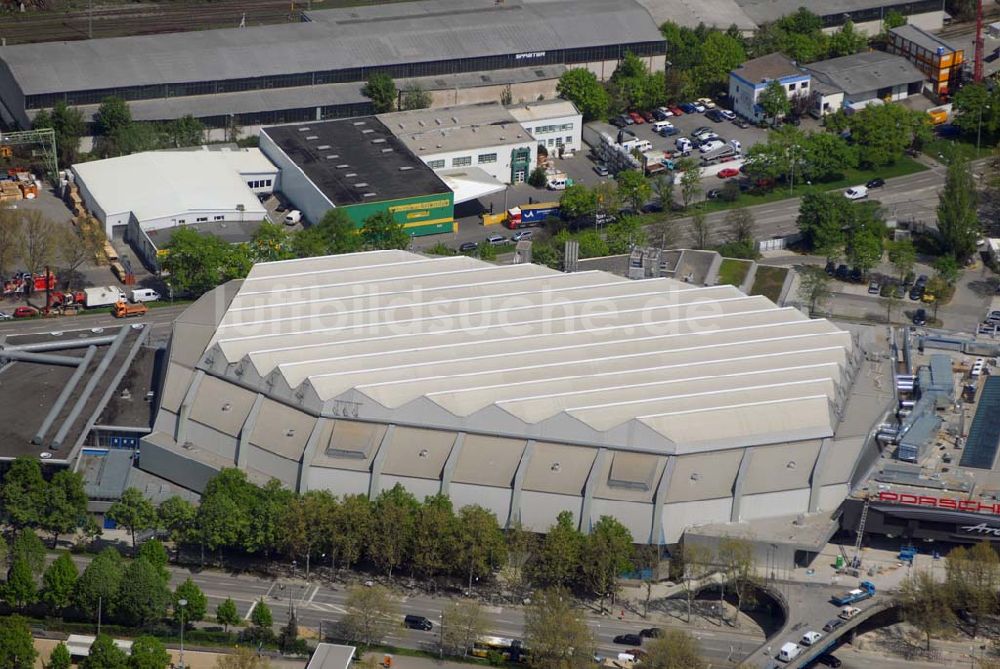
[[182, 221], [267, 183], [463, 161], [218, 218], [486, 158], [552, 142], [250, 184], [791, 87], [201, 219], [558, 141], [569, 140], [435, 164]]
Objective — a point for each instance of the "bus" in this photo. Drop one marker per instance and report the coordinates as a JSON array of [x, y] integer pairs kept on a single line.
[[511, 650]]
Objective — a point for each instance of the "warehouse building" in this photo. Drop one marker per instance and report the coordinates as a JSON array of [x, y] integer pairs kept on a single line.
[[357, 165], [156, 190], [662, 404], [315, 69], [854, 82]]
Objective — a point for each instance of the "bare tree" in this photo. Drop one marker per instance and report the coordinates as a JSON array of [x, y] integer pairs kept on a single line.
[[10, 239], [39, 241], [737, 560], [371, 613], [700, 233], [461, 623], [741, 225], [696, 562], [663, 233], [814, 286], [80, 244]]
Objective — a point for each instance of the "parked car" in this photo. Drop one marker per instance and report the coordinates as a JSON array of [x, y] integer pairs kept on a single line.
[[619, 121], [496, 240], [601, 169], [856, 275], [646, 116], [920, 317], [521, 235], [668, 131], [466, 247], [651, 208], [676, 110], [4, 316], [728, 115], [842, 272], [874, 287], [665, 111], [682, 144], [418, 623], [713, 194], [629, 639], [700, 131], [638, 120], [706, 103], [652, 632], [849, 612], [688, 108], [831, 267], [711, 145], [829, 661], [741, 123], [660, 114], [25, 312], [698, 107], [709, 136], [728, 173], [831, 625], [810, 637], [715, 115], [877, 182]]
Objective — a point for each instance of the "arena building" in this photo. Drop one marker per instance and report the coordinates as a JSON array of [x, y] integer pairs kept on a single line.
[[519, 388], [315, 69]]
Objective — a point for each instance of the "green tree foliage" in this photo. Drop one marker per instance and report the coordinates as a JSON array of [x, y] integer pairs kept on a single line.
[[184, 131], [268, 504], [486, 251], [307, 523], [271, 241], [435, 539], [814, 286], [29, 548], [592, 244], [133, 512], [633, 188], [607, 552], [577, 201], [774, 101], [65, 504], [925, 604], [338, 232], [675, 649], [197, 604], [382, 91], [462, 622], [556, 634], [197, 263], [382, 231], [148, 653], [59, 658], [142, 595], [99, 583], [415, 97], [20, 589], [352, 525], [736, 557], [104, 654], [226, 614], [557, 561], [903, 256], [720, 54], [864, 250], [261, 615], [977, 111], [17, 647], [892, 19], [156, 554], [690, 180], [947, 269], [824, 219], [632, 86], [480, 541], [23, 493], [113, 114], [800, 36], [68, 125], [881, 133], [538, 178], [825, 156], [371, 612], [59, 582], [583, 89], [846, 41], [176, 515], [223, 518], [958, 220], [625, 233], [392, 528]]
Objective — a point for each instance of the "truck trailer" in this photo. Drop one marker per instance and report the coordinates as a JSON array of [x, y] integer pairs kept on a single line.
[[864, 590], [102, 296]]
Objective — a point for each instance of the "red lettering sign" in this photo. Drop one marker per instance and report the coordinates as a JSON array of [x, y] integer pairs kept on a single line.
[[939, 502]]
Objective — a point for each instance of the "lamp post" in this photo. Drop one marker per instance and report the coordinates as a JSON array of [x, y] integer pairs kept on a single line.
[[181, 603]]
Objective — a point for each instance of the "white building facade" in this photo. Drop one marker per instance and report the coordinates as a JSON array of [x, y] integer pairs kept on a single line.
[[750, 80], [555, 124]]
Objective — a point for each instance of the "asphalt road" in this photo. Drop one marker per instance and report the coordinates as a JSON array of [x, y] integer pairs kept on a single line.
[[160, 319]]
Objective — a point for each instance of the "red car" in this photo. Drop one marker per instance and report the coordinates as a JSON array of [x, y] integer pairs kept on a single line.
[[676, 110], [647, 116], [728, 173], [635, 117], [25, 312]]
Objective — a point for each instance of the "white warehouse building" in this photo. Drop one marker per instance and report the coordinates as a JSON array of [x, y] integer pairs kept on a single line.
[[660, 403], [156, 190]]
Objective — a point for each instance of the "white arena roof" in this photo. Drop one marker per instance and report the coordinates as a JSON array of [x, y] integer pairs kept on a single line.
[[455, 343]]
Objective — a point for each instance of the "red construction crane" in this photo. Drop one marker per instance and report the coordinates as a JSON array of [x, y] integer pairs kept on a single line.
[[977, 66]]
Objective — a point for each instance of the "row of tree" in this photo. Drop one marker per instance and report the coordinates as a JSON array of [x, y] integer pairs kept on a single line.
[[31, 241], [198, 262], [386, 97]]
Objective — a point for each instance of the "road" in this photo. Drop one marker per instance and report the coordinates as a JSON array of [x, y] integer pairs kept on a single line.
[[160, 319]]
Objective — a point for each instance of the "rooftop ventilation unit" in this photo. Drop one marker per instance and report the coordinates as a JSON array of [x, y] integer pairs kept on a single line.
[[361, 184], [388, 150], [342, 166], [405, 168], [323, 147], [368, 195], [312, 137], [304, 128], [349, 175], [366, 131], [380, 140]]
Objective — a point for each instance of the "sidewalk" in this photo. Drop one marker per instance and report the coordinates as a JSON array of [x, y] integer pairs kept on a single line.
[[192, 659]]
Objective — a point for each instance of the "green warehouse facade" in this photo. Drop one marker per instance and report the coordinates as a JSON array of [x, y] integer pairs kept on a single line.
[[360, 166]]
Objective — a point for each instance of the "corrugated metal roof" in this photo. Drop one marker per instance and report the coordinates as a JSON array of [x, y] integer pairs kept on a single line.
[[335, 39], [863, 72]]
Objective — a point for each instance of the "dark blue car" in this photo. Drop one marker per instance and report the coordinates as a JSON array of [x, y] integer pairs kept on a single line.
[[668, 131], [688, 108]]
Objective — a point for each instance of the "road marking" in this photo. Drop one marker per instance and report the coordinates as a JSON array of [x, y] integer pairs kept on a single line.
[[313, 595], [250, 610]]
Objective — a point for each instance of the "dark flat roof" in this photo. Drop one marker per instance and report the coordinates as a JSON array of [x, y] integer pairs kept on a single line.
[[984, 435], [354, 161]]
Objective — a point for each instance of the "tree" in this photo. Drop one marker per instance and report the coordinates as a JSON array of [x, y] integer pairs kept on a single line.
[[700, 232], [28, 547], [903, 256], [720, 54], [486, 251], [382, 91], [480, 541], [104, 654], [846, 41], [559, 558], [826, 156], [607, 552], [223, 517], [307, 523], [197, 603], [132, 138], [39, 241], [370, 614], [690, 180], [538, 178], [624, 234], [351, 528], [148, 653], [695, 561], [17, 647], [270, 242], [381, 231], [557, 636], [663, 188], [741, 225], [774, 101], [243, 658], [676, 649], [977, 110], [736, 557], [59, 582], [185, 131], [60, 658], [925, 604], [156, 554], [393, 521], [81, 244], [20, 589], [814, 286], [133, 512], [972, 576], [415, 97], [97, 586], [864, 250], [226, 614], [142, 595], [633, 188], [892, 19], [68, 126], [435, 537], [176, 515], [268, 504], [199, 262], [882, 133], [65, 504], [10, 238], [261, 615], [583, 89], [114, 113], [823, 221], [23, 492], [338, 232], [577, 201], [958, 221], [462, 622]]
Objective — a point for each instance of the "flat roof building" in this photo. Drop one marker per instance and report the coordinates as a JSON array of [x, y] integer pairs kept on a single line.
[[852, 82], [940, 61], [749, 80], [659, 403], [360, 166]]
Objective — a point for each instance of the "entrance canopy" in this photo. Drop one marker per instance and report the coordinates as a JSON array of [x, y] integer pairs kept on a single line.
[[470, 183]]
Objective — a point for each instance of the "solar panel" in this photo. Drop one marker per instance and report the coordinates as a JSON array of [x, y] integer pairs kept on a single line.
[[984, 435]]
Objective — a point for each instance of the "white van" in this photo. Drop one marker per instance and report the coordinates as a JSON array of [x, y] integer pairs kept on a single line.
[[849, 612], [789, 652], [856, 192], [683, 144], [660, 125], [556, 182], [293, 217], [143, 295]]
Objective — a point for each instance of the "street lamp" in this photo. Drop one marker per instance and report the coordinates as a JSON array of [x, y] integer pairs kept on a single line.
[[181, 603]]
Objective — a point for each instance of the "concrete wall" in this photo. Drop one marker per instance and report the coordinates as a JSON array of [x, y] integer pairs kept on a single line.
[[342, 481], [496, 500], [540, 509], [172, 466], [294, 184], [571, 138], [677, 517], [11, 100], [499, 170]]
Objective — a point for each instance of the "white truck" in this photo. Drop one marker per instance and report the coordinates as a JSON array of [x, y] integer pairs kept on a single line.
[[102, 296], [728, 151], [789, 652]]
